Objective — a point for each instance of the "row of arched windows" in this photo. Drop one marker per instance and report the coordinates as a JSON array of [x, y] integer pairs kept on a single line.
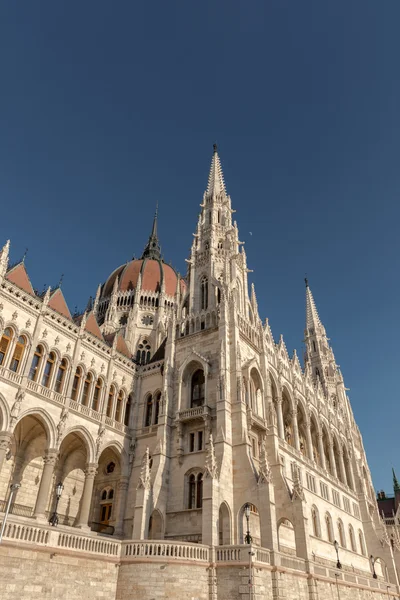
[[330, 535], [6, 344]]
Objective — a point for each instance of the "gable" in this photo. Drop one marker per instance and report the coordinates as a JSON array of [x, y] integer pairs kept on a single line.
[[57, 303], [19, 276]]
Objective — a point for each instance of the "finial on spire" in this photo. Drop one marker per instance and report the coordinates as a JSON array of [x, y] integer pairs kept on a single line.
[[216, 184], [152, 249], [215, 148], [306, 281], [312, 317], [396, 485], [61, 280], [24, 256]]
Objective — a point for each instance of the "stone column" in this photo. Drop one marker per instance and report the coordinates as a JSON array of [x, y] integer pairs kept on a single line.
[[321, 450], [332, 459], [279, 414], [5, 440], [123, 485], [49, 461], [90, 474], [295, 426], [310, 449], [342, 468]]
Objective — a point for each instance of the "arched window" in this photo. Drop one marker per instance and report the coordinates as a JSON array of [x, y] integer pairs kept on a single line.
[[76, 383], [18, 354], [315, 522], [342, 538], [118, 408], [106, 506], [361, 540], [197, 390], [195, 489], [5, 343], [86, 389], [97, 394], [204, 293], [328, 523], [157, 408], [36, 361], [48, 369], [128, 411], [210, 217], [143, 353], [110, 402], [149, 411], [352, 540], [60, 377]]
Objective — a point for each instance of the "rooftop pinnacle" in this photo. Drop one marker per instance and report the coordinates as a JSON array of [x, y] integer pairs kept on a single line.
[[152, 249], [216, 184]]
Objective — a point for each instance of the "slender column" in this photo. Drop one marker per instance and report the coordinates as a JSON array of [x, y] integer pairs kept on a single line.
[[295, 426], [120, 509], [352, 482], [343, 475], [279, 415], [90, 474], [49, 460], [332, 459], [310, 450], [321, 450], [5, 440]]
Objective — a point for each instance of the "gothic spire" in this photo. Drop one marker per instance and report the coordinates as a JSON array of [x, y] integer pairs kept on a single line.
[[396, 485], [152, 249], [216, 184], [312, 317]]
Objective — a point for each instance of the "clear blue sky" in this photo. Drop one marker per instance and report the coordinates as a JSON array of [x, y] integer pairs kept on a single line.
[[107, 108]]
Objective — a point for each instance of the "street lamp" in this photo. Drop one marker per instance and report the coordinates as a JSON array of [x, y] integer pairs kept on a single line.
[[248, 539], [338, 564], [373, 561], [13, 488], [54, 517]]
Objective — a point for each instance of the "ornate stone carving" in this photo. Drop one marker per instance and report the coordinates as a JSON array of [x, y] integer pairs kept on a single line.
[[62, 423], [16, 407], [91, 470], [211, 468], [298, 492], [144, 479], [99, 439], [15, 315], [265, 474]]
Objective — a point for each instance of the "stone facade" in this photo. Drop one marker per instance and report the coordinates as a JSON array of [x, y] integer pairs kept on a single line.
[[164, 409]]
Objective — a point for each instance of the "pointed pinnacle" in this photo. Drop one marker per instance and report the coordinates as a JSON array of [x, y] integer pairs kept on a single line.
[[216, 184], [396, 485], [312, 317]]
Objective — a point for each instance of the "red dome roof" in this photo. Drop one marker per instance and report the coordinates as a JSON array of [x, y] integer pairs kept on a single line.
[[153, 271]]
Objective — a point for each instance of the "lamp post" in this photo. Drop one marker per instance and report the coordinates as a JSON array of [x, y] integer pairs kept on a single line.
[[54, 517], [248, 539], [373, 561], [338, 564], [13, 488]]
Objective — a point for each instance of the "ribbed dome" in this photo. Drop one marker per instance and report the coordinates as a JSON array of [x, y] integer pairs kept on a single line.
[[154, 273]]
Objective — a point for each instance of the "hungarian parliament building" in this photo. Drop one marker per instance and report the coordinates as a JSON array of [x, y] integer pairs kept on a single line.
[[164, 445]]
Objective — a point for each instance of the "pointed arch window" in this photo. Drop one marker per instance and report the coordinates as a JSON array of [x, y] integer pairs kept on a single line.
[[143, 353], [86, 389], [118, 408], [76, 383], [110, 401], [197, 389], [352, 540], [195, 490], [192, 491], [204, 293], [18, 354], [342, 538], [199, 491], [5, 343], [48, 369], [36, 362], [315, 522], [128, 409], [361, 540], [149, 411], [60, 377], [328, 523], [97, 394], [157, 408]]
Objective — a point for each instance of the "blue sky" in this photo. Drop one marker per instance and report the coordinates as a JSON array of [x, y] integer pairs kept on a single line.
[[107, 108]]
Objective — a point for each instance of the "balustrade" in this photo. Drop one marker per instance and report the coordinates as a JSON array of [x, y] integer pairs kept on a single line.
[[174, 550]]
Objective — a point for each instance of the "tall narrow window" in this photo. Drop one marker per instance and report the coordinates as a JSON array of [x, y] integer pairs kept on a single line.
[[361, 540], [48, 369], [110, 401], [352, 540], [36, 361], [143, 353], [149, 411], [97, 394], [341, 534], [192, 491], [315, 521], [199, 491], [128, 411], [62, 368], [197, 391], [328, 522], [157, 408], [18, 354], [86, 389], [76, 383], [204, 293], [5, 343], [118, 408]]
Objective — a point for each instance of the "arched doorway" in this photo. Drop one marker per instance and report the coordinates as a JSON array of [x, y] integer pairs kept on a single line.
[[105, 495], [73, 459], [224, 524], [286, 537], [156, 526]]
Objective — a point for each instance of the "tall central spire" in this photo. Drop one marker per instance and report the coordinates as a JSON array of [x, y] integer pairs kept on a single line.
[[312, 317], [216, 184], [153, 249]]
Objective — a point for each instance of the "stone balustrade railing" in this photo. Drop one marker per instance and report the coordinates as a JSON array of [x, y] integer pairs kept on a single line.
[[240, 553], [159, 549], [193, 413]]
